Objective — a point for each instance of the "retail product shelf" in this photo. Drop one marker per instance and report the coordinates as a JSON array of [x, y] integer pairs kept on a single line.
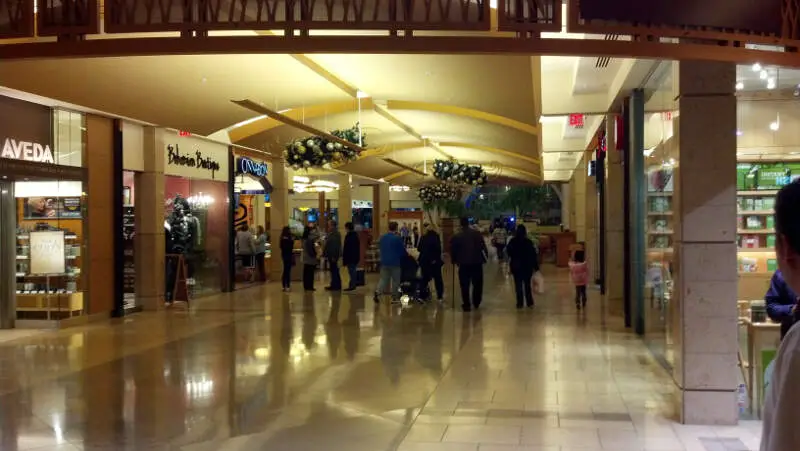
[[660, 232], [756, 212], [744, 250], [660, 213], [766, 192], [755, 231]]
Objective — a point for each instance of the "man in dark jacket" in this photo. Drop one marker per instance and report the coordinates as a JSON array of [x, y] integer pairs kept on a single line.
[[781, 303], [469, 252], [430, 260], [351, 254], [332, 252]]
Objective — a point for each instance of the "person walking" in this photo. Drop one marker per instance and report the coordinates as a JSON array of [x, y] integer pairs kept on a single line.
[[469, 252], [332, 253], [351, 254], [261, 252], [430, 260], [780, 432], [523, 262], [499, 239], [579, 273], [392, 251], [245, 248], [287, 256], [310, 258]]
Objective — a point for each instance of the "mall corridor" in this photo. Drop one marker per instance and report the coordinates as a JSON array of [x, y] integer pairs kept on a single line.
[[263, 370]]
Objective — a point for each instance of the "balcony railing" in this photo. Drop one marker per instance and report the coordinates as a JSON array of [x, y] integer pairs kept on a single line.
[[127, 16], [529, 15]]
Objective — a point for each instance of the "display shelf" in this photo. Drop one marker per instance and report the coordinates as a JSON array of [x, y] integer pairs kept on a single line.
[[659, 249], [744, 250], [766, 192], [660, 232], [660, 213], [755, 231], [659, 193]]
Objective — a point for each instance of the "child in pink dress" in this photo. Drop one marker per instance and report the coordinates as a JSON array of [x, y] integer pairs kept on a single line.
[[579, 272]]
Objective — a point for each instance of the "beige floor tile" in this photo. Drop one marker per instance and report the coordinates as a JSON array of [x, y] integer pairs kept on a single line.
[[509, 435], [426, 433]]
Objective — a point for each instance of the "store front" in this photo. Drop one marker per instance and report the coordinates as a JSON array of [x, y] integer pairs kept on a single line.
[[42, 215], [197, 224], [251, 200]]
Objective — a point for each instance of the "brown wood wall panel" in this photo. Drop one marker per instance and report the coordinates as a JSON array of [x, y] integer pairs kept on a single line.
[[100, 222]]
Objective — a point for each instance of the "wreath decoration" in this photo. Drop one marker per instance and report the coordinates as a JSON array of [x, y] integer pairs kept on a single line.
[[460, 173], [319, 152], [430, 194]]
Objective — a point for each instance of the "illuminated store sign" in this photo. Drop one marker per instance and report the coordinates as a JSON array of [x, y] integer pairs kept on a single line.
[[191, 159], [27, 151], [247, 166]]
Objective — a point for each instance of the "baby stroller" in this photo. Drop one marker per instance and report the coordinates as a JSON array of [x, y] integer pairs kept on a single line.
[[411, 283]]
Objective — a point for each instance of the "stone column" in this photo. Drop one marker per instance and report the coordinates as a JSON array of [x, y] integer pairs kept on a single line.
[[705, 273], [149, 252], [578, 204], [380, 209], [345, 201], [615, 222], [590, 218], [322, 222], [278, 210]]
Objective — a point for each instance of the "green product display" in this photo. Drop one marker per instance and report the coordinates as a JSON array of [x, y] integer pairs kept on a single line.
[[772, 265], [771, 241], [770, 222]]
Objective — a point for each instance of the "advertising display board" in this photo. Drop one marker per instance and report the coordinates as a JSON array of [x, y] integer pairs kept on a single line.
[[47, 252]]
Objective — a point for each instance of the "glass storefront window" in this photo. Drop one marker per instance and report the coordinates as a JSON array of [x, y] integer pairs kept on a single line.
[[69, 128], [50, 249]]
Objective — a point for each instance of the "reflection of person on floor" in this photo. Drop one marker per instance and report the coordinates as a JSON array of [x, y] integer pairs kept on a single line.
[[287, 256], [430, 261], [780, 431], [469, 252], [261, 252], [392, 253], [245, 246], [524, 262]]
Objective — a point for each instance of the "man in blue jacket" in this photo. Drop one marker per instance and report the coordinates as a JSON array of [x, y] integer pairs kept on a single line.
[[392, 252], [781, 303]]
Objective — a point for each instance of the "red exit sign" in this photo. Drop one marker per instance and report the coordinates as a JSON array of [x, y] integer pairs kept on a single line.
[[184, 133], [576, 120]]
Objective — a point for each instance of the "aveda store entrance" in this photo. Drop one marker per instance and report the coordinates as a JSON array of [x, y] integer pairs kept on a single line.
[[42, 213]]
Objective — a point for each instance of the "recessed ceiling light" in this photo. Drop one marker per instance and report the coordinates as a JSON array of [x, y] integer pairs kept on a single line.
[[739, 86], [756, 67]]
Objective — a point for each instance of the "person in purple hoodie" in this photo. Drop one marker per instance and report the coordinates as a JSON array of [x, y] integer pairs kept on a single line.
[[781, 303]]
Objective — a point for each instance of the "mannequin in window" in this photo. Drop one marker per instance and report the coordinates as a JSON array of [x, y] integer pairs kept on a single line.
[[179, 229]]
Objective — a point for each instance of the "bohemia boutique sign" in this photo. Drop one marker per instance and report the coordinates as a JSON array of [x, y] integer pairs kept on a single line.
[[192, 159]]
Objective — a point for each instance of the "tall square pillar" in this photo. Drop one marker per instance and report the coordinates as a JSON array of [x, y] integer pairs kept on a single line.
[[705, 271], [380, 209], [278, 210], [345, 209], [149, 245], [615, 222]]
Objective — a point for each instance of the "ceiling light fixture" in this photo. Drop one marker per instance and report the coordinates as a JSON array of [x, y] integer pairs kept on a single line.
[[739, 86], [361, 94], [756, 67], [775, 126]]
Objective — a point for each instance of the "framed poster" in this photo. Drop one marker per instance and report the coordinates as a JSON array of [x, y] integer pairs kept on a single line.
[[47, 252], [52, 207]]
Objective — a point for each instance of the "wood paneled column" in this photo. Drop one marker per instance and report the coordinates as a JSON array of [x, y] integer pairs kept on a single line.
[[149, 245], [615, 222], [278, 211]]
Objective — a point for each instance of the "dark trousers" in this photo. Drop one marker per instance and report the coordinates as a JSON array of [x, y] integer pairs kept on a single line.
[[308, 276], [352, 270], [286, 278], [260, 270], [433, 272], [336, 276], [471, 275], [522, 285], [580, 295], [500, 248]]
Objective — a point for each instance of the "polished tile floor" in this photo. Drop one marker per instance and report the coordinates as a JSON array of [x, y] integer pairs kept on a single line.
[[264, 370]]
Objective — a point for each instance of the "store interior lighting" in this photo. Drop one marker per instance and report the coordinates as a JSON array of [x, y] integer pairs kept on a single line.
[[399, 188], [200, 200], [57, 189], [303, 184]]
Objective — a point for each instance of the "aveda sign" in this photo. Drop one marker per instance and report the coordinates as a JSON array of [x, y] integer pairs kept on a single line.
[[27, 151]]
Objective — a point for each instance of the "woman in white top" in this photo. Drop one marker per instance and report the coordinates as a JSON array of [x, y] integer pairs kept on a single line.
[[245, 246]]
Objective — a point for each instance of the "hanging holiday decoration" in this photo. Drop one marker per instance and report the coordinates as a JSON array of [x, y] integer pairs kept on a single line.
[[455, 172], [430, 194], [318, 152]]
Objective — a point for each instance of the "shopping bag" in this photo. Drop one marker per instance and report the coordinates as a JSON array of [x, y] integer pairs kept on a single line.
[[538, 282]]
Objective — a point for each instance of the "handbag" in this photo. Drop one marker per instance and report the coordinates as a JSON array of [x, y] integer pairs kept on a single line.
[[538, 282]]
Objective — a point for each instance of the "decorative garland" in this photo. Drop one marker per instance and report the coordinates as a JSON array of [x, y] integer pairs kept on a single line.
[[430, 194], [455, 172], [318, 152]]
